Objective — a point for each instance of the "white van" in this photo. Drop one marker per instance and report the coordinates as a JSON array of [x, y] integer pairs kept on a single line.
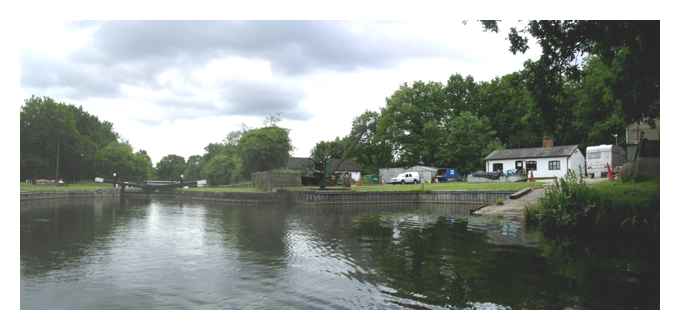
[[407, 177], [598, 157]]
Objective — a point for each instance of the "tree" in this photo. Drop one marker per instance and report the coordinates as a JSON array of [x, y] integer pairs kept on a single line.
[[143, 165], [412, 120], [468, 140], [264, 149], [370, 149], [597, 110], [58, 137], [222, 169], [193, 168], [324, 151], [632, 48], [170, 167], [118, 157], [511, 110]]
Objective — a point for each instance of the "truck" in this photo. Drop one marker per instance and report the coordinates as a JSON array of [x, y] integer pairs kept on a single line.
[[599, 157]]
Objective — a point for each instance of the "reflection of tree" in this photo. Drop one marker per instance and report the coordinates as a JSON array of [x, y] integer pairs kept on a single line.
[[608, 273], [58, 233], [445, 265], [259, 232]]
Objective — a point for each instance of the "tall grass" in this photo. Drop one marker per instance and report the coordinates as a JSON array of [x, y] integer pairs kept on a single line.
[[571, 208]]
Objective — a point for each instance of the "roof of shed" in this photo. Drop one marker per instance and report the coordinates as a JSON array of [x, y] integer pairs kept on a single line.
[[303, 163], [521, 153], [344, 165]]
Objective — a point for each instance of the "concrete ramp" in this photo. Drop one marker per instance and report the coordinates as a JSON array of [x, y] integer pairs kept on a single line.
[[512, 207]]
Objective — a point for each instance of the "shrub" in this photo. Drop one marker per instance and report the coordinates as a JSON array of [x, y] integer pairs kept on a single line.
[[572, 208]]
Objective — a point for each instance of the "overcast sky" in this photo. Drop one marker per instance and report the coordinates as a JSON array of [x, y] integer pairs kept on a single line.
[[174, 87]]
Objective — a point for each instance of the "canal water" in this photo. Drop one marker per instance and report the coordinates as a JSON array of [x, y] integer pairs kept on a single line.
[[165, 254]]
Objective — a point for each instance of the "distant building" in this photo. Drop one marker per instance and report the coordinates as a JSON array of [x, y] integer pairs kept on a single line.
[[635, 132], [544, 162], [342, 166], [426, 173]]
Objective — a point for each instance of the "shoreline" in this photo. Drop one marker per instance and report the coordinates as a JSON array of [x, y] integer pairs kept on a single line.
[[482, 197]]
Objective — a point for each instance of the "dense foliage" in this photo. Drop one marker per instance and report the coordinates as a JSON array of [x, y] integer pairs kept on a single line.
[[571, 208], [170, 167], [62, 140], [264, 149]]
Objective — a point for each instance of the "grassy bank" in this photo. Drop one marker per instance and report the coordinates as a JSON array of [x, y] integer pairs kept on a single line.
[[572, 208], [67, 187], [449, 186]]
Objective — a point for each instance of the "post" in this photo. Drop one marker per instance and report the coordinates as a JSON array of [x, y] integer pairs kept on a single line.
[[56, 172]]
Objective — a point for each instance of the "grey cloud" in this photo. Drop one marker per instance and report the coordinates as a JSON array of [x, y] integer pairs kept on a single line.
[[38, 72], [135, 52], [244, 98], [293, 47]]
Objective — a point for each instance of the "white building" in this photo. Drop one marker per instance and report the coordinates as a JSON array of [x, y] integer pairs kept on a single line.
[[547, 162]]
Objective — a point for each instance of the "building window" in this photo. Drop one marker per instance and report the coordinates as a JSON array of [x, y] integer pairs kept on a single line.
[[531, 165], [497, 167], [554, 165], [518, 165]]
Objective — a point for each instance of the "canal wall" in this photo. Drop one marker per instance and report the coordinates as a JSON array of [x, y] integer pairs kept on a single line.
[[293, 197], [400, 197], [32, 196], [336, 197], [214, 196]]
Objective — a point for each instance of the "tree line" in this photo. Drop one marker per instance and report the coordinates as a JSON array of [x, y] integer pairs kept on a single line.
[[62, 141]]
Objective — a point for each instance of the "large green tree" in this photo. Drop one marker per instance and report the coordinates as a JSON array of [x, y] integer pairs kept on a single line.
[[222, 168], [324, 151], [263, 149], [367, 147], [632, 48], [411, 122], [467, 140], [118, 157], [59, 139], [170, 167], [192, 171]]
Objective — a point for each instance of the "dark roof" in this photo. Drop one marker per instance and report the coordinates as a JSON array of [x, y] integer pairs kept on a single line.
[[520, 153], [346, 165], [300, 163], [304, 163]]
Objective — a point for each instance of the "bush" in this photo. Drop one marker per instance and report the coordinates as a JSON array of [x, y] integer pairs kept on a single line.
[[572, 208]]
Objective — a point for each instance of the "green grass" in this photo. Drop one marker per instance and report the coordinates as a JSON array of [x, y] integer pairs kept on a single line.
[[448, 186], [67, 187]]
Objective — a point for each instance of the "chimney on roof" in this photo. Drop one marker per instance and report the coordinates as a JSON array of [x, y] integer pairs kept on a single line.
[[547, 142]]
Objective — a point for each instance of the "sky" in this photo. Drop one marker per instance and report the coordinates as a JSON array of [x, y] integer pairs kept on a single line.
[[173, 87]]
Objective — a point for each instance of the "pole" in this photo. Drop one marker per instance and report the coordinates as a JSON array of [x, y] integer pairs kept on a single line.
[[56, 172]]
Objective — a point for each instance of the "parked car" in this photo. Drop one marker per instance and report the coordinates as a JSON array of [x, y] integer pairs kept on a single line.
[[407, 177], [447, 175]]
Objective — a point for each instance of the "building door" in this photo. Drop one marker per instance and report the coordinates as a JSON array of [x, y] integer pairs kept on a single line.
[[519, 165]]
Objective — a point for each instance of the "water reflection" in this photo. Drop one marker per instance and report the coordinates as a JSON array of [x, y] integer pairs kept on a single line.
[[169, 254]]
